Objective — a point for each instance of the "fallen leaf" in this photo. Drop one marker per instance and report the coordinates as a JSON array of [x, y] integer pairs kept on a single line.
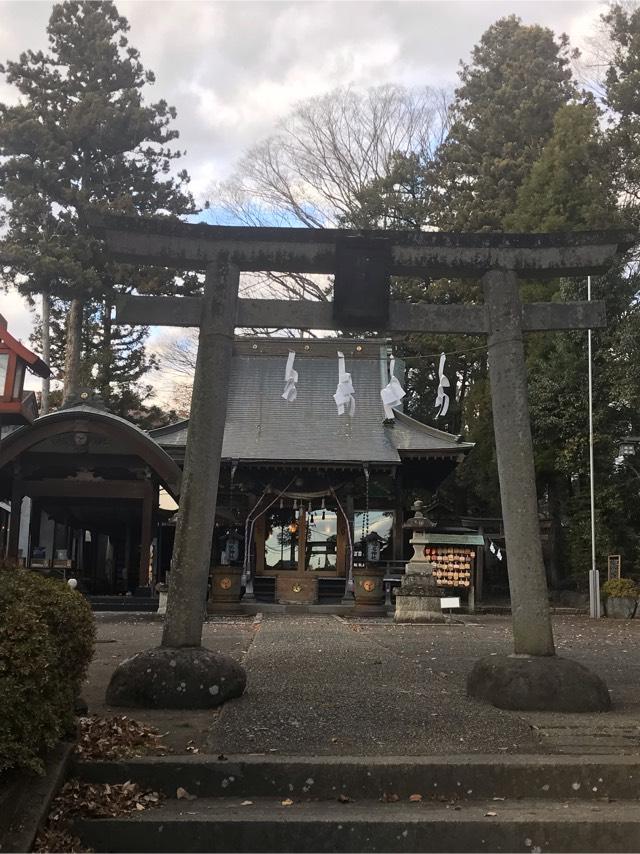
[[390, 798], [182, 794], [115, 738], [287, 802], [491, 814], [415, 798], [246, 803]]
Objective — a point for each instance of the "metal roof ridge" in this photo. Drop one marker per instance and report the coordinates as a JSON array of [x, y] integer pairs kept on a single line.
[[421, 427], [169, 428]]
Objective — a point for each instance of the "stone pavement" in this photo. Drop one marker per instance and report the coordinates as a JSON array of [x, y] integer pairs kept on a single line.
[[325, 685]]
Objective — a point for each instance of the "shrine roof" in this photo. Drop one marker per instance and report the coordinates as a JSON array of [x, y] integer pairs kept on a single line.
[[262, 427]]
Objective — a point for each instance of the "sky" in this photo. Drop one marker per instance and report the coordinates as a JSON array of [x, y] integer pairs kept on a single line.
[[233, 69]]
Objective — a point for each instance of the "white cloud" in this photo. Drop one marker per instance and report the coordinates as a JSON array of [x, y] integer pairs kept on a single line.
[[19, 317], [233, 69]]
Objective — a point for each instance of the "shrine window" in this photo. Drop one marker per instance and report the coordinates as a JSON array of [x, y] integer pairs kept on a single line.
[[18, 381], [4, 365], [281, 540], [321, 541]]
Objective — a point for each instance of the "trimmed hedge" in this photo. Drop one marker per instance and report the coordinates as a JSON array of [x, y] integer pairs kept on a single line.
[[620, 587], [47, 634]]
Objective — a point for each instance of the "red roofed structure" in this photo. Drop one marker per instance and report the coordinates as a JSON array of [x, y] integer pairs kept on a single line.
[[16, 405]]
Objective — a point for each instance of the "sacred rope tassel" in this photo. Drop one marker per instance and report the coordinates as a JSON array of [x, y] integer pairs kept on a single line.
[[392, 393], [344, 396], [442, 400], [290, 379]]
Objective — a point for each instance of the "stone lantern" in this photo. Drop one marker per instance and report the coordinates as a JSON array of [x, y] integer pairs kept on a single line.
[[418, 599], [16, 405]]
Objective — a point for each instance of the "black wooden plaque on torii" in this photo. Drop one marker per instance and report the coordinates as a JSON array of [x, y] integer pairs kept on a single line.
[[362, 263]]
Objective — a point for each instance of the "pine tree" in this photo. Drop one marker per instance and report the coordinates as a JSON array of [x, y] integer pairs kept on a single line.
[[622, 98], [570, 186], [83, 140], [502, 117]]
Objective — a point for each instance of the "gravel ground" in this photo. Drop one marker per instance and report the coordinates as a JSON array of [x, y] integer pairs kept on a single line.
[[327, 685], [121, 636]]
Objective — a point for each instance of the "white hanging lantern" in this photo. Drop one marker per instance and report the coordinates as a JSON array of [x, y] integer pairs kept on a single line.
[[232, 547], [373, 547]]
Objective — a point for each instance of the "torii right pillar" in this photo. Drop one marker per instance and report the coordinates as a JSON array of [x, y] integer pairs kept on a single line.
[[533, 677]]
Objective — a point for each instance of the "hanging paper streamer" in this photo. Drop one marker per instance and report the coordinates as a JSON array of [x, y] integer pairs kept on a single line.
[[392, 393], [344, 396], [290, 379], [442, 400], [492, 548], [499, 554]]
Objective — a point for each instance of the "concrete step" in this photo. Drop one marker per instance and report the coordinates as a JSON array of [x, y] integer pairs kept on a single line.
[[265, 825], [468, 777]]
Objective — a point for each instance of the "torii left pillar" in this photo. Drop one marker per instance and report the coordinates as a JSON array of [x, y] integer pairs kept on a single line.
[[180, 673]]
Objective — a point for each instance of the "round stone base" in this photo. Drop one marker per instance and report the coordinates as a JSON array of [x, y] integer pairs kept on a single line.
[[417, 609], [184, 678], [537, 684]]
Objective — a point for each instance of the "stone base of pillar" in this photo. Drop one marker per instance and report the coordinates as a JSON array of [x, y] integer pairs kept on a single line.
[[162, 601], [417, 600], [183, 678], [537, 684]]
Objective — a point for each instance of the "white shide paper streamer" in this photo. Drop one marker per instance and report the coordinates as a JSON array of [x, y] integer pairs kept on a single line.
[[392, 393], [344, 396], [290, 379]]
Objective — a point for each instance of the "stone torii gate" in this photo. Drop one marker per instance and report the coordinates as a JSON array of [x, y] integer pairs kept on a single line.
[[362, 263]]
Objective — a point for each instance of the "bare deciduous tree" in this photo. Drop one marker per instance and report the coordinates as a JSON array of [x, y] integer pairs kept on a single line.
[[316, 168]]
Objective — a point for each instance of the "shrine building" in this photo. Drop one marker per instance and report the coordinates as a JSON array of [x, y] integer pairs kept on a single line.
[[306, 496]]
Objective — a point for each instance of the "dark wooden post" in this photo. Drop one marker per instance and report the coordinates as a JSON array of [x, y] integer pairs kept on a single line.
[[398, 520], [479, 579], [532, 633], [17, 494], [198, 495], [145, 535]]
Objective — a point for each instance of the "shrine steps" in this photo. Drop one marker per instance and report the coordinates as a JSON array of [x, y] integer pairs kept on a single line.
[[468, 803], [222, 824]]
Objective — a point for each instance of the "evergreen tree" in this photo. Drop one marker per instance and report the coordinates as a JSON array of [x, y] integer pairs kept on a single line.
[[502, 117], [82, 140], [570, 186], [622, 98]]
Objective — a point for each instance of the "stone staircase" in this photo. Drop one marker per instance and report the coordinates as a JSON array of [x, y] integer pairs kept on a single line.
[[525, 803]]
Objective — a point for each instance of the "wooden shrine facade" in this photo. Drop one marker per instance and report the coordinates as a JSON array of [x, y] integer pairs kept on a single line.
[[83, 489], [301, 486]]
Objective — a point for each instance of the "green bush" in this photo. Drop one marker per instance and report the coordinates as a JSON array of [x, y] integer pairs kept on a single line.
[[47, 634], [619, 587]]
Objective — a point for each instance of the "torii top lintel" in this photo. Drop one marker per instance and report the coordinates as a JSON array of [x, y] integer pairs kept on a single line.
[[362, 263], [171, 243]]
